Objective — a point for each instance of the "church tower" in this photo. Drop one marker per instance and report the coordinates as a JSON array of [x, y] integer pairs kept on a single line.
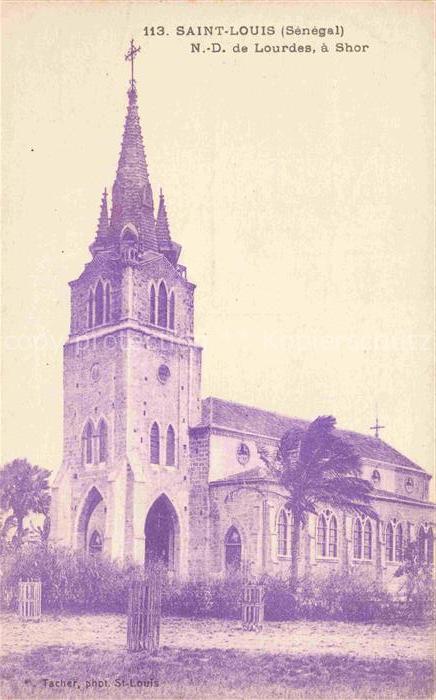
[[131, 379]]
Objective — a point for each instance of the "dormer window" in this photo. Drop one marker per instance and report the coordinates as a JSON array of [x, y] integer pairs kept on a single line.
[[129, 243], [129, 235]]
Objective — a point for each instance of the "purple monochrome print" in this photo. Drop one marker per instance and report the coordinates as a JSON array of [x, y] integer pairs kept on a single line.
[[234, 549]]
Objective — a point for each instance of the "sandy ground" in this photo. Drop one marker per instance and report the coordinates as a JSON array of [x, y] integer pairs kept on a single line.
[[301, 637]]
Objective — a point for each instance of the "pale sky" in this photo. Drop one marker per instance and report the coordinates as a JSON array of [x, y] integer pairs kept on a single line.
[[299, 185]]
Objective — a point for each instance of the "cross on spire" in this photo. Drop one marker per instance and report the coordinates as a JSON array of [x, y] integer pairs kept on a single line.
[[130, 56], [377, 427]]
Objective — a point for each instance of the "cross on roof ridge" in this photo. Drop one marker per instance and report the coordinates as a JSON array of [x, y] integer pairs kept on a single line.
[[377, 427]]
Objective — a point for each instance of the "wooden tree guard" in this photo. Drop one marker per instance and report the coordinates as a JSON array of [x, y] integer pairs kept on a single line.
[[246, 570], [253, 605], [143, 617], [29, 600]]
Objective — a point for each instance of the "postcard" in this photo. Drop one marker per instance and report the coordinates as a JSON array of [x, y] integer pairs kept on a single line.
[[218, 376]]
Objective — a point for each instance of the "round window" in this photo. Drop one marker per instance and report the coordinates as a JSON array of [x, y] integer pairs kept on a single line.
[[243, 453], [163, 373], [409, 484]]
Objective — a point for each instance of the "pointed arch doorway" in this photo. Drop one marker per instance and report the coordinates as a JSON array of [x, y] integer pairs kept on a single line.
[[91, 523], [162, 534], [233, 551]]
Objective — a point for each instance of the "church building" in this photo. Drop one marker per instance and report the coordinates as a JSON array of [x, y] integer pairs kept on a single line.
[[150, 469]]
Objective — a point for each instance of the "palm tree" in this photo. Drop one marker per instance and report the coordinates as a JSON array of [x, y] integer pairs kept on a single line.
[[316, 465], [24, 489]]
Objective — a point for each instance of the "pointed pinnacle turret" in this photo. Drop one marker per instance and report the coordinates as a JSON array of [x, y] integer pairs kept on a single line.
[[103, 221], [132, 196], [169, 248], [103, 231], [162, 227]]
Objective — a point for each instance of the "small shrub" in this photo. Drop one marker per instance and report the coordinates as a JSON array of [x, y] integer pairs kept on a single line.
[[190, 599], [352, 598], [71, 581], [280, 601], [337, 597], [419, 604], [309, 600], [205, 598], [227, 597]]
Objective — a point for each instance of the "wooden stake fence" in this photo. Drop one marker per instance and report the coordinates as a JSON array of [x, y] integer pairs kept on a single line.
[[253, 606], [29, 600], [143, 617]]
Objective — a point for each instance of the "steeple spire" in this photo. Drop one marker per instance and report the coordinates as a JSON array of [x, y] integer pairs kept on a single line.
[[132, 196]]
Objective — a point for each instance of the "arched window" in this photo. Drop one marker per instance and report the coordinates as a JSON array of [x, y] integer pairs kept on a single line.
[[430, 546], [88, 435], [422, 544], [129, 235], [99, 303], [154, 444], [333, 537], [367, 540], [232, 545], [327, 535], [95, 543], [425, 545], [107, 303], [90, 309], [152, 305], [399, 543], [282, 532], [162, 303], [321, 536], [102, 441], [171, 447], [171, 312], [389, 542], [357, 539]]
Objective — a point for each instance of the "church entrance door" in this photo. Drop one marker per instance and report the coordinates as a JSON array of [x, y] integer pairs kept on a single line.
[[161, 528]]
